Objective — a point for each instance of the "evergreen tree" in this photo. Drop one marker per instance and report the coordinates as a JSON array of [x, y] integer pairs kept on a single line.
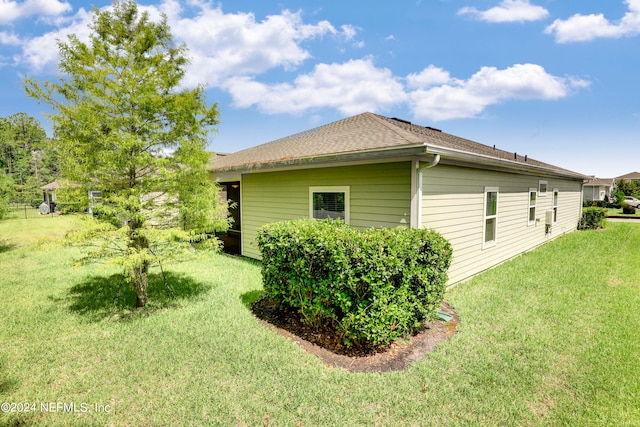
[[125, 127]]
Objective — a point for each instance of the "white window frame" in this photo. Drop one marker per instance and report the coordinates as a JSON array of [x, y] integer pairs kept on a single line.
[[555, 204], [542, 183], [332, 189], [487, 244], [532, 205]]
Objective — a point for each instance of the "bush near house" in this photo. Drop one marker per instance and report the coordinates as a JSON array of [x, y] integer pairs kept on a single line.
[[592, 218], [373, 286], [598, 204], [629, 210]]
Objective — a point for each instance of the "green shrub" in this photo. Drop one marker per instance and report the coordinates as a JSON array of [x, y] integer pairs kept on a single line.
[[592, 218], [627, 209], [597, 203], [72, 199], [373, 286]]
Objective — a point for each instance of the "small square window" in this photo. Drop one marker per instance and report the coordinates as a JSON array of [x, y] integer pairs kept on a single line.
[[542, 188], [329, 202]]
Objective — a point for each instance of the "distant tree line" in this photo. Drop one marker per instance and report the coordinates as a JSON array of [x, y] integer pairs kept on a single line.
[[27, 160]]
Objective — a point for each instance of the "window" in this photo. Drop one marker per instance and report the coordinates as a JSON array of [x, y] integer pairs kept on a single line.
[[329, 202], [533, 195], [556, 193], [542, 188], [490, 216]]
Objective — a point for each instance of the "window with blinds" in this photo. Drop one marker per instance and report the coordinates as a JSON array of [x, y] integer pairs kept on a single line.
[[329, 202]]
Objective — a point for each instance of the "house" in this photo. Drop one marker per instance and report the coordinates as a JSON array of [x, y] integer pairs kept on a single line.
[[50, 192], [632, 176], [50, 195], [598, 189], [375, 171]]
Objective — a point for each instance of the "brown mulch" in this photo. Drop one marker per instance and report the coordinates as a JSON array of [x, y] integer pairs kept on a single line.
[[325, 344]]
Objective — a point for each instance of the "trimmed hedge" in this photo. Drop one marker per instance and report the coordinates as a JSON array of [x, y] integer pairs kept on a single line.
[[373, 286], [592, 218]]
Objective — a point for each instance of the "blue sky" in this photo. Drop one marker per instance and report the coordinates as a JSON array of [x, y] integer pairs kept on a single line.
[[554, 79]]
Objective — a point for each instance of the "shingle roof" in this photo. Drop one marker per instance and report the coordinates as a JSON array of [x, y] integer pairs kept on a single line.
[[631, 175], [369, 132], [59, 184], [600, 181]]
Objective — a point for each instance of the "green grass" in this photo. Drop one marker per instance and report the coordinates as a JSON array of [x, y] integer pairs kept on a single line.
[[551, 338], [618, 212]]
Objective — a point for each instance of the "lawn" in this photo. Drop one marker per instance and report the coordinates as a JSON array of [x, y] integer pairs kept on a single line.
[[618, 212], [550, 338]]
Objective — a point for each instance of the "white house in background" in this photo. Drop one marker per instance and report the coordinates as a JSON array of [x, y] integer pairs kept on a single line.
[[375, 171], [597, 189]]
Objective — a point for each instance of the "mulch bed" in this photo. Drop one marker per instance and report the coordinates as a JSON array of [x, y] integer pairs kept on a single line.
[[325, 344]]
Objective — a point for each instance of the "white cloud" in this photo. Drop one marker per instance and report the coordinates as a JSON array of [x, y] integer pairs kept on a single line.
[[9, 39], [41, 53], [351, 88], [430, 76], [508, 11], [467, 98], [358, 85], [349, 31], [221, 45], [14, 10], [580, 28]]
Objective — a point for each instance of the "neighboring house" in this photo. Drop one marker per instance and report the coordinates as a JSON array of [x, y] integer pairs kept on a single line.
[[632, 176], [598, 189], [374, 171], [49, 192]]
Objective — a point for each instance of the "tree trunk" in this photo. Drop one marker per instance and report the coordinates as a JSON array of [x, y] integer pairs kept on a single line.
[[139, 242], [140, 282]]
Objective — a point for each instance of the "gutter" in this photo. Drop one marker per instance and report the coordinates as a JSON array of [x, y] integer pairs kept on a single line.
[[482, 159], [416, 211], [430, 164]]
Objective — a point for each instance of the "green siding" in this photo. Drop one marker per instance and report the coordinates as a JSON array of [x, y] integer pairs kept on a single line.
[[453, 204], [380, 196]]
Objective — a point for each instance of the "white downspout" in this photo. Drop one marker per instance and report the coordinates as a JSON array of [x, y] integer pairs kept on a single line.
[[419, 169]]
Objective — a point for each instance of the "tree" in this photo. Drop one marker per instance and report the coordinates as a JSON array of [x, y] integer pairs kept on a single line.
[[25, 155], [627, 188], [124, 127], [6, 192]]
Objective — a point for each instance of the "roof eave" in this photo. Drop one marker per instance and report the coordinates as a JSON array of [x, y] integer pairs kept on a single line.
[[503, 164], [363, 155]]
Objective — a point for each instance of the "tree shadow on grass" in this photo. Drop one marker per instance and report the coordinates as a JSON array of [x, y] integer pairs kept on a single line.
[[100, 297], [248, 298]]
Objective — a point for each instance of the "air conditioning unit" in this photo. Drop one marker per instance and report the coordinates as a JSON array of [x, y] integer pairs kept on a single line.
[[548, 221], [548, 218]]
